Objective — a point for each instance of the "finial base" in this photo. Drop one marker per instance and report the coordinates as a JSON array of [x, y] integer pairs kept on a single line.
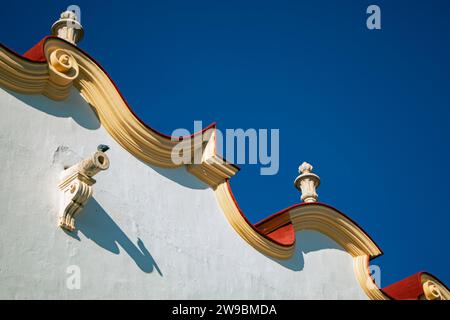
[[68, 28]]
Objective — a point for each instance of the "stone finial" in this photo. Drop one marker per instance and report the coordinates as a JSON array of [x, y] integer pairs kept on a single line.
[[305, 168], [307, 182], [68, 27]]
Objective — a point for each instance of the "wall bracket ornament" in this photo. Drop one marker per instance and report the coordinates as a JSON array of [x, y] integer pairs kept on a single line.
[[76, 186]]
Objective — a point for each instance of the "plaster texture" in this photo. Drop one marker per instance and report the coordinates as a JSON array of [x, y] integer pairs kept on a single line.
[[147, 232]]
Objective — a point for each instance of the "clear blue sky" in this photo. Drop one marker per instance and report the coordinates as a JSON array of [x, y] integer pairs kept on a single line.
[[369, 109]]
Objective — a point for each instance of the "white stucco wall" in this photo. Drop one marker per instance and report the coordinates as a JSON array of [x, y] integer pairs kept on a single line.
[[147, 233]]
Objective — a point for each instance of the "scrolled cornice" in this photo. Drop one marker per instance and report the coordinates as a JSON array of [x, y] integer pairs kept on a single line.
[[433, 289], [58, 66], [308, 216], [63, 65], [245, 229], [362, 273], [337, 226]]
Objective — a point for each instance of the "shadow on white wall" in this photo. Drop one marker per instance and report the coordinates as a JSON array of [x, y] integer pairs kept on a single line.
[[96, 224], [306, 242]]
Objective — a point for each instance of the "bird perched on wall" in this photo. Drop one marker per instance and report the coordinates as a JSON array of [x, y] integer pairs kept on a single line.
[[102, 147]]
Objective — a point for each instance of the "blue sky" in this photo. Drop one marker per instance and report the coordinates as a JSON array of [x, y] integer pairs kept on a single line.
[[369, 109]]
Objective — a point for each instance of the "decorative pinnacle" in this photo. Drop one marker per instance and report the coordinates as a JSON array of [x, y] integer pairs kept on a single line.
[[69, 15], [68, 27], [305, 168], [307, 182]]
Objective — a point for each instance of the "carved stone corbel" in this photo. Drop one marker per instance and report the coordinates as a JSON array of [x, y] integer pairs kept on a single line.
[[76, 186]]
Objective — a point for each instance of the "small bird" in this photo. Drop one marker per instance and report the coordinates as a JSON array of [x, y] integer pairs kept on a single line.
[[102, 147]]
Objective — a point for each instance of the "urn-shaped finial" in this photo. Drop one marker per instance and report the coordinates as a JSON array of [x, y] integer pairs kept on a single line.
[[68, 27], [307, 182]]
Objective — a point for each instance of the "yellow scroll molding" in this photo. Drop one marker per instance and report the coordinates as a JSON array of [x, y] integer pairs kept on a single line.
[[68, 66]]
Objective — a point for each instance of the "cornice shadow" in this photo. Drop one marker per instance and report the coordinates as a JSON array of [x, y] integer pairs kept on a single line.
[[74, 107], [82, 113], [307, 241], [181, 176]]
